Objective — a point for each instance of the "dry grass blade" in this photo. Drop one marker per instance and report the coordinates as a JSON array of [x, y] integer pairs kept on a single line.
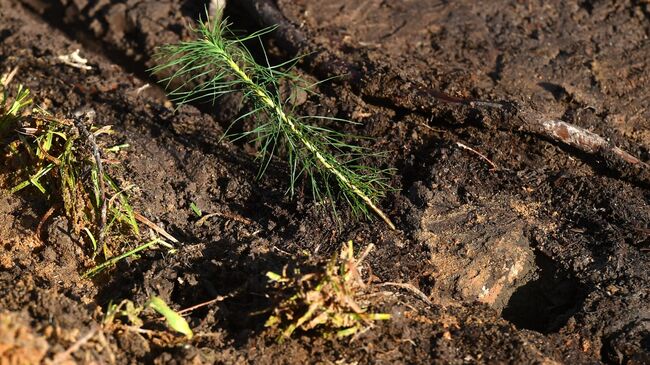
[[62, 159]]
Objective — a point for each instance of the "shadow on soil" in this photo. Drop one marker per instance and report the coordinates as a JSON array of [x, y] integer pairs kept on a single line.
[[546, 303]]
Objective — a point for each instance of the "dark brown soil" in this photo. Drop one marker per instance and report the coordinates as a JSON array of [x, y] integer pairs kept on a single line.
[[542, 260]]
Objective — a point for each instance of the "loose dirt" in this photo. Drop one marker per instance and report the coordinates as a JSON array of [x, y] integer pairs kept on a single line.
[[543, 259]]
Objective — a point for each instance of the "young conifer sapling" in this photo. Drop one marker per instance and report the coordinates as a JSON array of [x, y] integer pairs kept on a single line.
[[218, 63]]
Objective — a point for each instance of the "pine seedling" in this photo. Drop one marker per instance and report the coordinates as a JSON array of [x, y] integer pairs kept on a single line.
[[218, 63]]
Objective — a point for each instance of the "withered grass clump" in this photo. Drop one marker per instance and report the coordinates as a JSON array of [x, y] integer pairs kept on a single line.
[[333, 301], [62, 159], [54, 158]]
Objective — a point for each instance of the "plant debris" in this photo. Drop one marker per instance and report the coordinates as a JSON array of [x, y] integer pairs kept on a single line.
[[330, 300], [75, 60]]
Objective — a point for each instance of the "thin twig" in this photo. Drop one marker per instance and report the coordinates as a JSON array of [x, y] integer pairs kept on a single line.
[[365, 253], [494, 167], [63, 356], [583, 139], [232, 216], [220, 298], [142, 219], [137, 329], [107, 346], [45, 217], [6, 78], [411, 288]]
